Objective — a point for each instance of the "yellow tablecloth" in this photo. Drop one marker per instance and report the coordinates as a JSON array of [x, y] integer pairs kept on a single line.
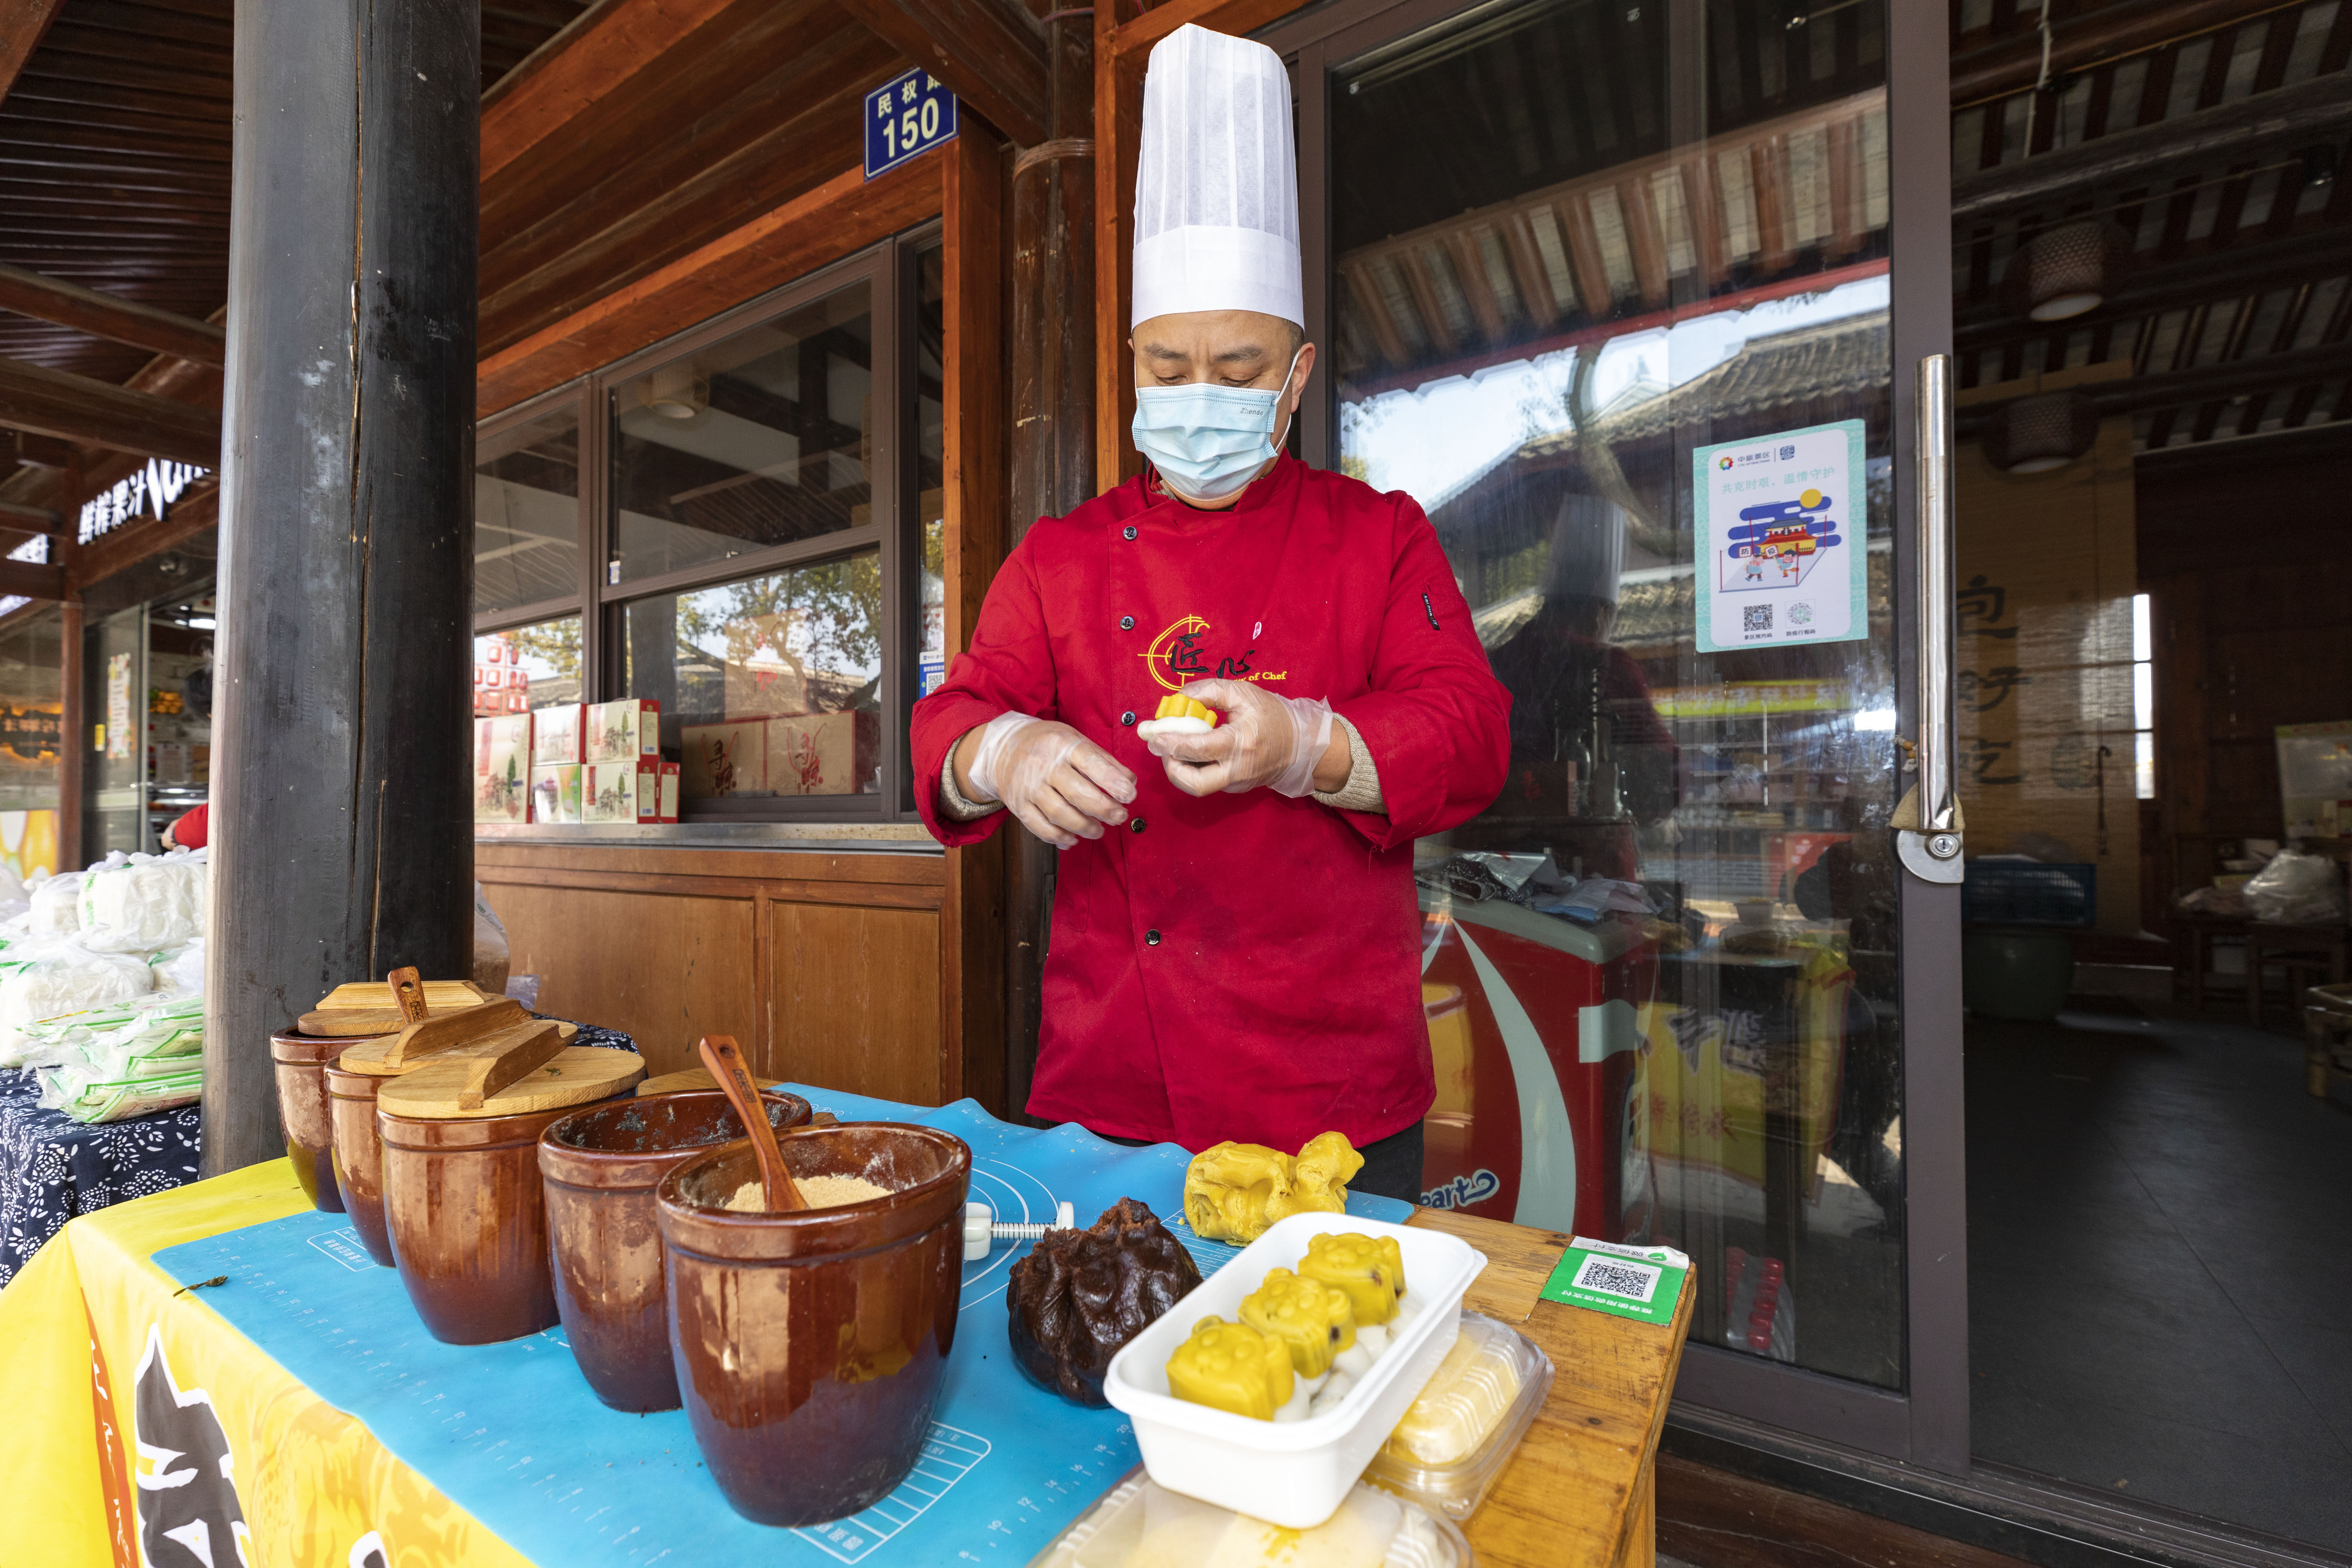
[[90, 1317]]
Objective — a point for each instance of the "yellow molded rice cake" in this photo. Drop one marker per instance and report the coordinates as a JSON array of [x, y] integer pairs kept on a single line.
[[1178, 715]]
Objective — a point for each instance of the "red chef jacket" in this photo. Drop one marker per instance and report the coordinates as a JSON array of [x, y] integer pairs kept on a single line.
[[1243, 967]]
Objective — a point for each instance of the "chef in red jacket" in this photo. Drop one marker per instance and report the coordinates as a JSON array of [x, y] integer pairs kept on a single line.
[[1236, 943]]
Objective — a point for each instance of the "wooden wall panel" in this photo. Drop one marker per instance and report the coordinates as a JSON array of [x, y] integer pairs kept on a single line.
[[855, 999], [2249, 568], [667, 968]]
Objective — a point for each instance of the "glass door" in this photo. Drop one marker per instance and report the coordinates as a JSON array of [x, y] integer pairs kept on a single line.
[[114, 802], [1616, 289]]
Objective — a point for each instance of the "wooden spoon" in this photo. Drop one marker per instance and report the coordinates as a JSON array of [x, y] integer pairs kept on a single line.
[[725, 1063]]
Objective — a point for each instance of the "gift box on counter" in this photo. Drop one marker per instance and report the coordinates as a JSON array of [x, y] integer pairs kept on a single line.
[[823, 753], [559, 735], [724, 759], [669, 791], [624, 730], [621, 792], [502, 768], [555, 793]]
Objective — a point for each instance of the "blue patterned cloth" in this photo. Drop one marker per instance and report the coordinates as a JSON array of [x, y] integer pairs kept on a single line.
[[53, 1168]]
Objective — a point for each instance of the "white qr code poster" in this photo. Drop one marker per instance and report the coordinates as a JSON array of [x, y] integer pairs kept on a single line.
[[1645, 1283], [1781, 524]]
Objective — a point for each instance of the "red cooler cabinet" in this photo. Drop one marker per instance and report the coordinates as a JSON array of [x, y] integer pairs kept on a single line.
[[1535, 1029]]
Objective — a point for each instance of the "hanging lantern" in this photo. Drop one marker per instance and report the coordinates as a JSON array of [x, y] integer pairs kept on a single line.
[[678, 391], [2067, 270], [2035, 435]]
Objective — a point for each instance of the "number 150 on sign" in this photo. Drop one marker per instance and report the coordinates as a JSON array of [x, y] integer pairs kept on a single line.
[[909, 116]]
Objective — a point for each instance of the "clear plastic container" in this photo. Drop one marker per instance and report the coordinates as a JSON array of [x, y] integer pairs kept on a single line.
[[1291, 1473], [1458, 1437], [1140, 1524]]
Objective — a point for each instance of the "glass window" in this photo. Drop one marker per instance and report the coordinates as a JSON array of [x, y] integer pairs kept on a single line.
[[526, 513], [769, 688], [761, 439], [30, 704], [1662, 976], [525, 668]]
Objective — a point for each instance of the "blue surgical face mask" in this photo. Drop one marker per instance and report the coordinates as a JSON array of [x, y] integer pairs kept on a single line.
[[1209, 441]]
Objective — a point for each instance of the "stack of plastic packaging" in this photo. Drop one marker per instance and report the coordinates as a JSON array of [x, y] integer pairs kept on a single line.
[[110, 1063], [101, 985]]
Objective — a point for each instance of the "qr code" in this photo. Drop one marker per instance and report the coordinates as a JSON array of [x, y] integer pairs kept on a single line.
[[1800, 614], [1755, 617], [1618, 1277]]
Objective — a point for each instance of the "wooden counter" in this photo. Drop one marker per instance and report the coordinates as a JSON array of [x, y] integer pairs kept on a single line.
[[835, 966], [1583, 1489]]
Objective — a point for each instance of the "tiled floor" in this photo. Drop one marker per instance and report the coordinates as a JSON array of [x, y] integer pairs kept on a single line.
[[2160, 1265]]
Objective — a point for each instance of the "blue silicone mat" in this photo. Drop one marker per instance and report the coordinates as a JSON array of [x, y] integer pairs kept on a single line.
[[510, 1432]]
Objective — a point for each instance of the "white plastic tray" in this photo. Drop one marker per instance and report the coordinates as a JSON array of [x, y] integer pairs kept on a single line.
[[1292, 1473]]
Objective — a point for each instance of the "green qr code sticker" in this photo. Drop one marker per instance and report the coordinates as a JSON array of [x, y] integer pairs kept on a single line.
[[1638, 1282]]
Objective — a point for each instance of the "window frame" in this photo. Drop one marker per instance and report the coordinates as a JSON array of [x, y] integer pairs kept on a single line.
[[889, 269]]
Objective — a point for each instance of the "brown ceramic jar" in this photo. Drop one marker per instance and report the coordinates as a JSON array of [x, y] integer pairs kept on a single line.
[[359, 1156], [810, 1346], [300, 1061], [600, 1166], [468, 1219]]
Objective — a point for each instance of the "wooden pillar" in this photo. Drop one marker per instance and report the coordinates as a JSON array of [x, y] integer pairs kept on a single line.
[[972, 937], [1052, 459], [343, 845]]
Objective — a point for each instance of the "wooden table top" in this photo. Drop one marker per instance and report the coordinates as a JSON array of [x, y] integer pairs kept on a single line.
[[1579, 1491]]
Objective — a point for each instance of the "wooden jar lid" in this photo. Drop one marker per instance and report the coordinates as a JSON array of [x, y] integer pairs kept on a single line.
[[356, 1012], [374, 995], [368, 1057], [691, 1079], [578, 1074]]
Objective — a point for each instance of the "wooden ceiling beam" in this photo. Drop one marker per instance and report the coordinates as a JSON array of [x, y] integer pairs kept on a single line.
[[111, 317], [584, 68], [2272, 125], [989, 53], [23, 24], [2152, 288], [78, 408], [24, 580], [2014, 63], [2200, 383], [33, 518]]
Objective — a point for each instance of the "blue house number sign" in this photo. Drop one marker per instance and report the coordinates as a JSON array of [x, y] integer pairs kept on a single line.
[[911, 115]]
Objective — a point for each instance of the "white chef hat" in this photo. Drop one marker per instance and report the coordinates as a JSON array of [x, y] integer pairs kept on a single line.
[[1216, 185]]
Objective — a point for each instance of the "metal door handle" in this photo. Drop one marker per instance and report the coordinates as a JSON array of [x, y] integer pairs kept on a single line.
[[1927, 823]]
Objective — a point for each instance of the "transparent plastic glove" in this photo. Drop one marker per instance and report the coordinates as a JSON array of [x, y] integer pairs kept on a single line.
[[1263, 740], [1060, 784]]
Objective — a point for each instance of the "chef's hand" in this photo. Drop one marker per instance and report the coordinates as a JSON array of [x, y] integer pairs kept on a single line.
[[1060, 784], [1282, 742]]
